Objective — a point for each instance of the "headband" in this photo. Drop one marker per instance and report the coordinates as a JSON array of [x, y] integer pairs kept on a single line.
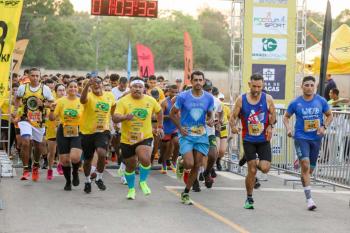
[[137, 82]]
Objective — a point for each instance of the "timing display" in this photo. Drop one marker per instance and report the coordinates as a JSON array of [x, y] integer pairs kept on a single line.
[[130, 8]]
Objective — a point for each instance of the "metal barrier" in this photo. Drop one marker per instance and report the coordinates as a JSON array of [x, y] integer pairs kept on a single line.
[[333, 166]]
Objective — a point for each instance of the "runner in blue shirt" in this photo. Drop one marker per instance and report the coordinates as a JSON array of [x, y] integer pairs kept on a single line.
[[308, 131], [196, 109]]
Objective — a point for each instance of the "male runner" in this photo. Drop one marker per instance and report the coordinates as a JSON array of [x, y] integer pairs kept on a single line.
[[308, 131]]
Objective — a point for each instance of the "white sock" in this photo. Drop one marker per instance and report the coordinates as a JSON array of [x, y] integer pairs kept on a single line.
[[88, 180], [99, 176], [92, 170]]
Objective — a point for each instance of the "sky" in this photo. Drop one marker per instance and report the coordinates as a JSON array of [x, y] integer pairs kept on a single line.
[[192, 6]]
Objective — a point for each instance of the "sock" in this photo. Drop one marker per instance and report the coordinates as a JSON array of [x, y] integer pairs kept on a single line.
[[88, 179], [92, 170], [66, 173], [75, 168], [186, 175], [99, 176], [164, 166], [186, 190], [307, 191], [130, 178], [249, 197], [144, 171]]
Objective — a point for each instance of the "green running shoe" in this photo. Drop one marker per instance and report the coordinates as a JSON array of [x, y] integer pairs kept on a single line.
[[179, 168], [131, 194], [249, 204], [145, 189], [185, 199]]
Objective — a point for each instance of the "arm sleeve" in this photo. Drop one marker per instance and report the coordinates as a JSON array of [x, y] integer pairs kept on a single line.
[[156, 107], [47, 93], [20, 91], [179, 102], [325, 106], [291, 109], [211, 104], [120, 108], [57, 111]]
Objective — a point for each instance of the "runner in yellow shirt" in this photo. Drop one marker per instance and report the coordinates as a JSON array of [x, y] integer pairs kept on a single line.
[[135, 111], [68, 111], [222, 140], [98, 108]]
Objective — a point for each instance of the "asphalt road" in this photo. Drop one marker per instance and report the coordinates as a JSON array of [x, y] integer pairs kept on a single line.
[[45, 207]]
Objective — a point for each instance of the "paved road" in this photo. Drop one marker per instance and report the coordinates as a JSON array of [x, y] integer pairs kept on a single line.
[[44, 207]]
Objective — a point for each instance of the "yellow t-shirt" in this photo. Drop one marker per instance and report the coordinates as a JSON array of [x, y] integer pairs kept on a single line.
[[97, 113], [161, 94], [140, 127], [69, 111], [51, 126], [5, 107], [226, 110]]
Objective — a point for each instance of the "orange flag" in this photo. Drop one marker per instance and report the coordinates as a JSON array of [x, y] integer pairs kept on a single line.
[[188, 58], [18, 54]]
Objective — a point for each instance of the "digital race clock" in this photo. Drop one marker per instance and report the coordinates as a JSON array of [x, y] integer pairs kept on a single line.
[[131, 8]]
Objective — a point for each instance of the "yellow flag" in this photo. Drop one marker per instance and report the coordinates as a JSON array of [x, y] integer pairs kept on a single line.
[[10, 14], [18, 54]]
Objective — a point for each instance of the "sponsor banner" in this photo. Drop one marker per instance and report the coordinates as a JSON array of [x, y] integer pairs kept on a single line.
[[267, 20], [274, 79], [269, 49], [145, 61], [282, 2], [18, 54], [10, 14]]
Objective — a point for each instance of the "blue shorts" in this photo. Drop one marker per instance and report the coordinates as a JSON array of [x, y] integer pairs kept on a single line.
[[187, 145], [307, 149]]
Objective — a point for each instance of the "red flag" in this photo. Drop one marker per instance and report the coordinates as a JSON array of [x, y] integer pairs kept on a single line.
[[145, 61], [188, 58]]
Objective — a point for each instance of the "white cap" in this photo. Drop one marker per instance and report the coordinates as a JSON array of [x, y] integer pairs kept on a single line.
[[221, 96]]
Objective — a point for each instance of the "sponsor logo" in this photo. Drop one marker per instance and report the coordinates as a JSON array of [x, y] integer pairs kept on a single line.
[[269, 74], [9, 3], [269, 44], [140, 113], [271, 1], [269, 21]]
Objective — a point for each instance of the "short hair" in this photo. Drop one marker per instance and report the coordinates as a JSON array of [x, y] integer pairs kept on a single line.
[[215, 91], [308, 78], [335, 91], [49, 81], [26, 71], [198, 73], [152, 77], [160, 78], [15, 85], [172, 86], [256, 77], [54, 78], [34, 69], [14, 75], [123, 80], [66, 76], [114, 77], [81, 78]]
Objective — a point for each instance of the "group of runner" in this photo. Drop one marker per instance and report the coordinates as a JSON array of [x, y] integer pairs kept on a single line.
[[141, 120]]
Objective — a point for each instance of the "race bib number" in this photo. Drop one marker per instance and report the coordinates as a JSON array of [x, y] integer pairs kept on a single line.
[[135, 137], [255, 129], [70, 131], [34, 117], [197, 131], [311, 125], [100, 125]]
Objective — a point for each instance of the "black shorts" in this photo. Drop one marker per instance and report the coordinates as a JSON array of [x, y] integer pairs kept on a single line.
[[65, 144], [262, 149], [129, 151], [90, 142]]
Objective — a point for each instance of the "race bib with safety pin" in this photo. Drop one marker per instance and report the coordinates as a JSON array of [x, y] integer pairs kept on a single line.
[[255, 129], [70, 131], [311, 125], [135, 137], [197, 131]]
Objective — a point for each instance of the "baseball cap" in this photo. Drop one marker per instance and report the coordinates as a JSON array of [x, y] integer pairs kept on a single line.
[[221, 96]]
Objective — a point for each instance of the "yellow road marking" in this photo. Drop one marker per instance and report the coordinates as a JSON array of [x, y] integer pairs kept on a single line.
[[214, 215]]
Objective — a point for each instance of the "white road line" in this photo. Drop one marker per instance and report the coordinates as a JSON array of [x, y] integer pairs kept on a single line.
[[265, 190], [230, 175]]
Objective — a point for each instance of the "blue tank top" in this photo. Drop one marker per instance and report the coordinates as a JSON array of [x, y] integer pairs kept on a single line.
[[169, 126], [255, 119]]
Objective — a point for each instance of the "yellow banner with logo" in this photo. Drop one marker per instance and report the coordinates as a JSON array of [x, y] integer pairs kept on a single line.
[[270, 45], [10, 14]]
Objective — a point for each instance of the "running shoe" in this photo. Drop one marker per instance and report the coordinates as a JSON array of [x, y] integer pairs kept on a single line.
[[26, 175], [145, 189], [196, 187], [179, 168], [311, 204], [131, 194], [75, 180], [59, 169], [208, 181], [257, 183], [35, 174], [49, 174], [242, 161], [185, 199], [249, 204], [68, 186], [100, 185], [87, 188]]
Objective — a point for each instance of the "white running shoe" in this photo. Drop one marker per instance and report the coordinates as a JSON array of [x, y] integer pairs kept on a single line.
[[311, 204]]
